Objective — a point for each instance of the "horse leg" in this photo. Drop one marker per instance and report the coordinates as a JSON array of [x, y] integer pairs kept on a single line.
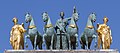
[[40, 42], [71, 46], [32, 44], [40, 45], [48, 45], [54, 41], [86, 38], [51, 47], [76, 35], [89, 45], [82, 44], [89, 42], [95, 38], [74, 45], [46, 42], [35, 40], [27, 36], [69, 42], [44, 35]]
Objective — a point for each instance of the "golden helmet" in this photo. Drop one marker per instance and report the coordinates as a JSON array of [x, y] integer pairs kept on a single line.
[[15, 20]]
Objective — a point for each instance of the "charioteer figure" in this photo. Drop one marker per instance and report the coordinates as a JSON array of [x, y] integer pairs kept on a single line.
[[62, 37]]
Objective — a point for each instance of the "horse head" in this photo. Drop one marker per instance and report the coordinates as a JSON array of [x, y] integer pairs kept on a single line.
[[28, 17], [45, 16], [75, 14], [92, 17]]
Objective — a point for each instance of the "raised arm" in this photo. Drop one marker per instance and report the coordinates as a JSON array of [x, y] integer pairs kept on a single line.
[[67, 19]]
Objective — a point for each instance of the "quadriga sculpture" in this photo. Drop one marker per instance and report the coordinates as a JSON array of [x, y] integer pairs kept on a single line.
[[32, 33], [17, 35], [89, 33]]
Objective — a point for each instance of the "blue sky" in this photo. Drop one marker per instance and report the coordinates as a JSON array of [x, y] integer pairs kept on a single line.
[[18, 8]]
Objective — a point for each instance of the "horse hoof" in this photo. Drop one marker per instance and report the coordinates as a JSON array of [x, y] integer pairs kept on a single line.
[[95, 46], [26, 45]]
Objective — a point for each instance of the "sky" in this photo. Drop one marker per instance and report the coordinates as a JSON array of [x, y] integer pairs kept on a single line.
[[18, 8]]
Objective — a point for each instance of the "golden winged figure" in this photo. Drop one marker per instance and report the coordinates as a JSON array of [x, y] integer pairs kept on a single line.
[[104, 34], [17, 35]]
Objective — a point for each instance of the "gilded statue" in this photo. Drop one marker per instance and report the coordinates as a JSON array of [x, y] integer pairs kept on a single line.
[[17, 35], [104, 34]]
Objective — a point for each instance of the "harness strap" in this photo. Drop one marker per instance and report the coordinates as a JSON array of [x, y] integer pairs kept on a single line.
[[33, 26], [73, 25], [90, 27], [48, 25]]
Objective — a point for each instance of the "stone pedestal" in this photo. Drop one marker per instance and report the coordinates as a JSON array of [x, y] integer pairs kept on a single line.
[[62, 51]]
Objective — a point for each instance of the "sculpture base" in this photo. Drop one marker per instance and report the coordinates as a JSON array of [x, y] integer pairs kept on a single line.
[[63, 51]]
